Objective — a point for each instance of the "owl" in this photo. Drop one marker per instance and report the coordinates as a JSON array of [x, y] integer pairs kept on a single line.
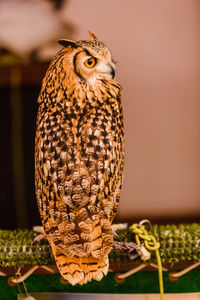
[[79, 157]]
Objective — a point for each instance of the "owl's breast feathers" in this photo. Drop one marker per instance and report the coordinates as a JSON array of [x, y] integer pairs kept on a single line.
[[79, 159]]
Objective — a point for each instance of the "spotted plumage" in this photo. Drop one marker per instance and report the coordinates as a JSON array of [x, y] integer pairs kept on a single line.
[[79, 157]]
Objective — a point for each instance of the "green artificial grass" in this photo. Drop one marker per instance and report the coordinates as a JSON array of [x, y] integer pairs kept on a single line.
[[17, 249], [178, 243]]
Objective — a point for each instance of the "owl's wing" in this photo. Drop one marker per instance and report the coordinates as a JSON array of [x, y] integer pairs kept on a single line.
[[78, 180]]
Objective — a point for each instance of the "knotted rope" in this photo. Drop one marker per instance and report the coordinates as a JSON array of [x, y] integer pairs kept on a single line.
[[150, 244]]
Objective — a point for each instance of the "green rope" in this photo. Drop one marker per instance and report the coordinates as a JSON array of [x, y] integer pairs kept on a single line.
[[150, 244], [178, 243]]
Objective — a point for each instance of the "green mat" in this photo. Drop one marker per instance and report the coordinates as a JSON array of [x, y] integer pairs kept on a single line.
[[140, 283]]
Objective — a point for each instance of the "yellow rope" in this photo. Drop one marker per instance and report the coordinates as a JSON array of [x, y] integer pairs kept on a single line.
[[150, 244]]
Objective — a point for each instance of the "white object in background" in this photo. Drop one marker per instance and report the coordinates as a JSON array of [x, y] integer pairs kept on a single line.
[[29, 25]]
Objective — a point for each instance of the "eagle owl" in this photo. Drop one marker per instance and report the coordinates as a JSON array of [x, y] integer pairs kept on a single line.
[[79, 157]]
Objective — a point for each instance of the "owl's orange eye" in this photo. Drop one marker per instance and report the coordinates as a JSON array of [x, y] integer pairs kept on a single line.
[[90, 62]]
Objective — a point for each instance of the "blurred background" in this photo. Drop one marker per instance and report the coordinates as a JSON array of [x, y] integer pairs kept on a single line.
[[157, 47]]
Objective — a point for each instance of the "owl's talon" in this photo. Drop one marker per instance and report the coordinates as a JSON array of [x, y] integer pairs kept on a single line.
[[39, 229], [116, 227], [120, 226], [40, 236], [116, 236]]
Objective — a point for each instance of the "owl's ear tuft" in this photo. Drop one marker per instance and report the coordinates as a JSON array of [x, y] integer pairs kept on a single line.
[[67, 43], [92, 36]]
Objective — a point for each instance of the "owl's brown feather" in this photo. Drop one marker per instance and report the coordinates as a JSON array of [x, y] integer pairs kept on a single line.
[[79, 153], [80, 270]]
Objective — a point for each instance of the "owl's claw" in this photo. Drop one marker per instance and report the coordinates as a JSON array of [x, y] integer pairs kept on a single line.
[[39, 229], [116, 227], [120, 226], [40, 236]]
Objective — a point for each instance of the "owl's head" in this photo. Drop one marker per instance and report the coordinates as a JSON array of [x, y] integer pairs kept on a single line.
[[90, 60]]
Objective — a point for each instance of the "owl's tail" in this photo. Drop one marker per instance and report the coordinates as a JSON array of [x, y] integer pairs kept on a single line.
[[80, 269]]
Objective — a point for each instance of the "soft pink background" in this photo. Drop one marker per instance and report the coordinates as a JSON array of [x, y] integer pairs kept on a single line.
[[157, 47]]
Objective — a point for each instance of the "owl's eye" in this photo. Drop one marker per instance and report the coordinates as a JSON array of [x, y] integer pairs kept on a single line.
[[90, 62]]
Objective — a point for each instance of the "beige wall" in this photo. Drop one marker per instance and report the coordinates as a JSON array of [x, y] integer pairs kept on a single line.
[[157, 47]]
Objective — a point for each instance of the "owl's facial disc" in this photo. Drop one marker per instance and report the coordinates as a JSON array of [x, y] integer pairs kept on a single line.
[[91, 66]]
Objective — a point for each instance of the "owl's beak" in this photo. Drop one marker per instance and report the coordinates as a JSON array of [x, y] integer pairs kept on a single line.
[[112, 71], [107, 68]]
